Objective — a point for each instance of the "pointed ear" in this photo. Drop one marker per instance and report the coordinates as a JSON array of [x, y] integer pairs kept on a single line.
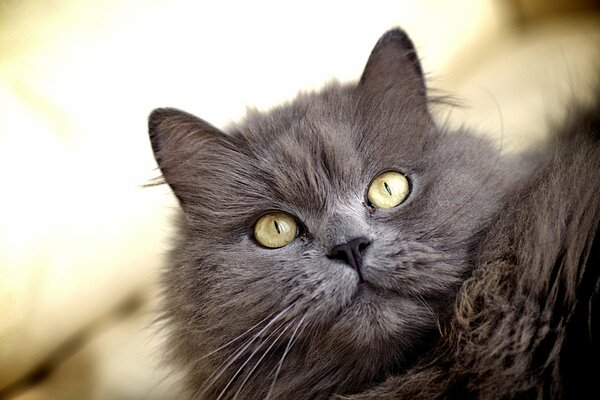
[[394, 69], [181, 142]]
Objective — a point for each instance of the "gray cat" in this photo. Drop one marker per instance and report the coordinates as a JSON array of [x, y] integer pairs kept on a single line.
[[343, 244]]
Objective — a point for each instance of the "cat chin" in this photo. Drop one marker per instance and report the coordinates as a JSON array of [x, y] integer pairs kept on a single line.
[[358, 314], [381, 318]]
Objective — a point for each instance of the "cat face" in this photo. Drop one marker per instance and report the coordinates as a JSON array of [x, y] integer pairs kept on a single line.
[[340, 223]]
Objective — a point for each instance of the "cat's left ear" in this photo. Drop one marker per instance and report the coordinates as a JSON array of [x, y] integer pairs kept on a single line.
[[394, 70]]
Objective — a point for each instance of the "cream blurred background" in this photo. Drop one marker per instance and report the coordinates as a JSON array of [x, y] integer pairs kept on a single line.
[[82, 243]]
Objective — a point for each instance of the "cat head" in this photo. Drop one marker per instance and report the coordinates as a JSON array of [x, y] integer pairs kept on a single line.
[[332, 231]]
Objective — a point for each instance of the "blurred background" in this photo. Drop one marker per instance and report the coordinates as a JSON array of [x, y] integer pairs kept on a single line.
[[82, 242]]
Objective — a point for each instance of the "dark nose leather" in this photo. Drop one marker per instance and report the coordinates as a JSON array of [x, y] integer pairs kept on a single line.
[[351, 253]]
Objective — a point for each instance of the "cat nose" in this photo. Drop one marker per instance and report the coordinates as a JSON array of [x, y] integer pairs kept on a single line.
[[351, 253]]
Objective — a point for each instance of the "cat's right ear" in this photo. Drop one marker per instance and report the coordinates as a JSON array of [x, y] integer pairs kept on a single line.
[[179, 141], [394, 71]]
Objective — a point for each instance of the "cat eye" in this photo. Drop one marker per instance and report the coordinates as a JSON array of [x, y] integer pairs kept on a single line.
[[388, 190], [275, 230]]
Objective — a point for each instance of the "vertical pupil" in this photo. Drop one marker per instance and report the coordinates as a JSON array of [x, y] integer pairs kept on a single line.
[[277, 228], [387, 188]]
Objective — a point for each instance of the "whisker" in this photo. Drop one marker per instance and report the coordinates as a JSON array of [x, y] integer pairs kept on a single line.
[[257, 363], [227, 363], [223, 367], [234, 339], [285, 353], [427, 306]]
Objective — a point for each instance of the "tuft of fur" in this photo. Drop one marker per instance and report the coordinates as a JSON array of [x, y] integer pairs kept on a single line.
[[480, 284]]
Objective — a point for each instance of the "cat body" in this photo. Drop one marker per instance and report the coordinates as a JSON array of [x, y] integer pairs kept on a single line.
[[482, 261]]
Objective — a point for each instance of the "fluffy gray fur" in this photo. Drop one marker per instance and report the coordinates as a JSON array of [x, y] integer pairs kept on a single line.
[[291, 323]]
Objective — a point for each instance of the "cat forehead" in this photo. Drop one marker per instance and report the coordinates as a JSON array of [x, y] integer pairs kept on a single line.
[[334, 136], [316, 129], [306, 162], [338, 116]]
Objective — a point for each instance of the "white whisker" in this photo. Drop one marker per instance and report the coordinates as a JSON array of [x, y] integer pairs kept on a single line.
[[285, 353], [257, 363], [233, 340], [219, 371]]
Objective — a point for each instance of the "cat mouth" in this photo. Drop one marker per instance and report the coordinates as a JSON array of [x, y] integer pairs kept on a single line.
[[364, 290]]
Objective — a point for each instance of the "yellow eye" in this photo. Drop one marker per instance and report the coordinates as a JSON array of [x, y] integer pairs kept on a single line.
[[388, 190], [275, 230]]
